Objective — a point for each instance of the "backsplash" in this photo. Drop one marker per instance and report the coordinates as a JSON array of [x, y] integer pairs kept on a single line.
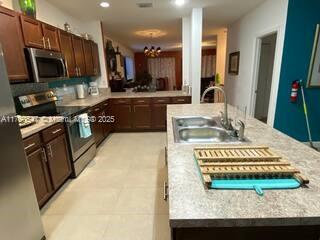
[[68, 82]]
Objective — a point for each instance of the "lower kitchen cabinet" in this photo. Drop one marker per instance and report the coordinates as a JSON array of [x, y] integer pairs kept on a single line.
[[159, 116], [40, 175], [142, 117], [58, 160], [97, 128], [123, 118], [49, 161]]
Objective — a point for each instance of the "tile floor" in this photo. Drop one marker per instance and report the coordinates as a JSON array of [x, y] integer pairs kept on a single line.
[[117, 197]]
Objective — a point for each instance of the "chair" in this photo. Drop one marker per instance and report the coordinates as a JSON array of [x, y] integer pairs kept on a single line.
[[162, 84]]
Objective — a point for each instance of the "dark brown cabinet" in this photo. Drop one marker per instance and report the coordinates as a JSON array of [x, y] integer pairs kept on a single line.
[[95, 57], [67, 50], [88, 57], [48, 159], [37, 161], [121, 110], [107, 118], [97, 126], [12, 45], [159, 116], [58, 160], [79, 55], [32, 32], [50, 35], [141, 114]]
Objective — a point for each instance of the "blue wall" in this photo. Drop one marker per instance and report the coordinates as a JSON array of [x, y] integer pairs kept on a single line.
[[303, 16]]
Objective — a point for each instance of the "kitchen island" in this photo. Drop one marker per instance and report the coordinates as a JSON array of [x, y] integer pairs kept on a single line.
[[197, 213]]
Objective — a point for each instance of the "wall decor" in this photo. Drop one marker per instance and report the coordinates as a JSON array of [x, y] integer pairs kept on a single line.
[[234, 63], [314, 69], [28, 7]]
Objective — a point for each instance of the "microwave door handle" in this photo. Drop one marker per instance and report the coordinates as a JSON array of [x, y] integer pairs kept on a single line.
[[64, 67]]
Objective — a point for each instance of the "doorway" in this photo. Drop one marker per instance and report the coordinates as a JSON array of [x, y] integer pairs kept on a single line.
[[265, 76]]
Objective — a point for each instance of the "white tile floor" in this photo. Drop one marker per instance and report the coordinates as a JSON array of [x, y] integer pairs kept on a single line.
[[117, 197]]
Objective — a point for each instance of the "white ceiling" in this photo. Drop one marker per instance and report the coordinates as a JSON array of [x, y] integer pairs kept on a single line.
[[123, 18]]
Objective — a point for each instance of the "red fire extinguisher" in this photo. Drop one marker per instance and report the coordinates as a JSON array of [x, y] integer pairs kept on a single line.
[[294, 91]]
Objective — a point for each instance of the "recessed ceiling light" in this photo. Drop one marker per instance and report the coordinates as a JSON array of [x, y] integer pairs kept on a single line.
[[104, 4], [179, 2]]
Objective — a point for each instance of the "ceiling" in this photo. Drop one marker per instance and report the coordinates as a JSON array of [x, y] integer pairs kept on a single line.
[[123, 18]]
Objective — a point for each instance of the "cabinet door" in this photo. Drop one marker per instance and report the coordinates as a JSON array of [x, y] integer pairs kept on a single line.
[[141, 118], [96, 61], [123, 120], [58, 160], [88, 57], [50, 34], [97, 126], [40, 176], [12, 45], [159, 116], [107, 124], [67, 49], [79, 55], [32, 32]]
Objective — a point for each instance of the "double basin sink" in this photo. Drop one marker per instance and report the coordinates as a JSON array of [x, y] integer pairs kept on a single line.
[[201, 130]]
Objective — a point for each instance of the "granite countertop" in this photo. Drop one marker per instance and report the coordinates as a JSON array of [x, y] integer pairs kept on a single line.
[[41, 124], [191, 205], [94, 100]]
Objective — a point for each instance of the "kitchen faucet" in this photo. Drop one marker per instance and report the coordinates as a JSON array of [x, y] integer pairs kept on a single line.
[[225, 120]]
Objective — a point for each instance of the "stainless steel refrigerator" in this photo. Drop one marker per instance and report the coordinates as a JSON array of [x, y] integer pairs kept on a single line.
[[19, 211]]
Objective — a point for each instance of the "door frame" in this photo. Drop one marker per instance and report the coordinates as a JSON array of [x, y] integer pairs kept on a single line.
[[275, 74]]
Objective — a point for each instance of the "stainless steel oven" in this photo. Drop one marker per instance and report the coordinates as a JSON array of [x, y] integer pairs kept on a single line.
[[83, 150], [46, 65]]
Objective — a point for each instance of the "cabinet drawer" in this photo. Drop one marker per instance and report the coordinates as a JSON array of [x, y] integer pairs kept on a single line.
[[138, 101], [53, 132], [96, 109], [32, 143], [164, 100], [181, 100], [105, 104], [121, 101]]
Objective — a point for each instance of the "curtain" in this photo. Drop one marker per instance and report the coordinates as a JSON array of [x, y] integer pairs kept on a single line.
[[208, 68], [163, 67]]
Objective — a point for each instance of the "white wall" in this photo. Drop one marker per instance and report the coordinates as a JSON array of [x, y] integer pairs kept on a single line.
[[186, 51], [242, 36], [6, 3], [221, 53]]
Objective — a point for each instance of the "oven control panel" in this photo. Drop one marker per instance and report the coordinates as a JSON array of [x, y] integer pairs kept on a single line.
[[37, 99]]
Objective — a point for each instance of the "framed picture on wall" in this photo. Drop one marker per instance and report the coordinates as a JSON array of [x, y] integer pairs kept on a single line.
[[234, 62], [314, 69]]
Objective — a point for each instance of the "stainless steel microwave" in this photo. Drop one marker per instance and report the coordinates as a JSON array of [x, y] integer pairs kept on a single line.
[[46, 65]]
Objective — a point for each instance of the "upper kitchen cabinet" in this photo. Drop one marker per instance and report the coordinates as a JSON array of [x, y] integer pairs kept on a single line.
[[50, 35], [79, 56], [32, 32], [67, 49], [12, 45], [87, 49], [95, 56]]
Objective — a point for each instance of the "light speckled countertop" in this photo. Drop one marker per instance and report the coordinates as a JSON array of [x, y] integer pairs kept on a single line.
[[94, 100], [43, 123], [191, 205]]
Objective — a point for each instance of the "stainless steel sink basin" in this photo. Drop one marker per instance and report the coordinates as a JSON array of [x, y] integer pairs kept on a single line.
[[201, 130], [195, 121]]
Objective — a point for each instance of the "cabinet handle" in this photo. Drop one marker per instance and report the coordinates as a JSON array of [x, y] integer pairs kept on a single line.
[[44, 156], [106, 104], [29, 146], [44, 42], [140, 101], [79, 71], [180, 100], [165, 191], [50, 151], [97, 109], [49, 44], [56, 131], [67, 68], [160, 101]]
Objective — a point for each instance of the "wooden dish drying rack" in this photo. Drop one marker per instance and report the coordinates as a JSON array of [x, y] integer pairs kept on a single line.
[[243, 162]]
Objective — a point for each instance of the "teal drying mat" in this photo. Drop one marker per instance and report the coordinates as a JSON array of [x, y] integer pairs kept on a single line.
[[255, 184]]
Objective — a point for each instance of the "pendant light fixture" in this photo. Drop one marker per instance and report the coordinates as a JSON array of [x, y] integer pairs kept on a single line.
[[152, 52]]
